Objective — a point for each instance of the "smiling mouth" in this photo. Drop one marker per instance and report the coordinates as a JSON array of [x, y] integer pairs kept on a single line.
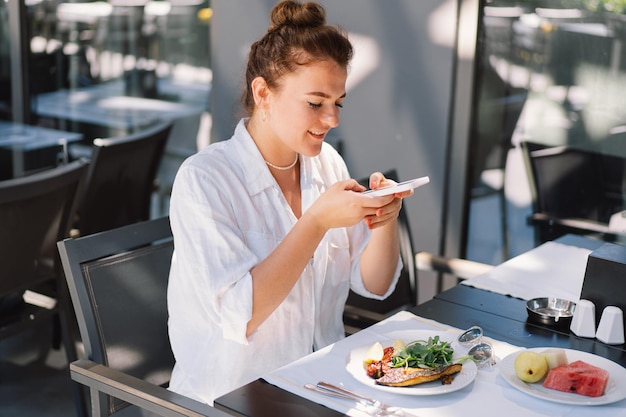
[[318, 134]]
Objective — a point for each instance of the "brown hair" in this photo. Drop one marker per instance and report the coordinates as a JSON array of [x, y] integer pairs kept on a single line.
[[298, 35]]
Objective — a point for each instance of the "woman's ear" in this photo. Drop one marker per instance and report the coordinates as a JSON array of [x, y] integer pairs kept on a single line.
[[259, 91]]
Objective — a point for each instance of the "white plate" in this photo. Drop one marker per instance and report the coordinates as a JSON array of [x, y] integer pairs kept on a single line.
[[399, 187], [461, 380], [615, 390]]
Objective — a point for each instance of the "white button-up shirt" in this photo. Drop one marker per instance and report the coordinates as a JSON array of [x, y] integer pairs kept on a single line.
[[227, 214]]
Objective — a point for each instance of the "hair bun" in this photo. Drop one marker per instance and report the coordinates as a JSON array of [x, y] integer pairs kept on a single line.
[[292, 13]]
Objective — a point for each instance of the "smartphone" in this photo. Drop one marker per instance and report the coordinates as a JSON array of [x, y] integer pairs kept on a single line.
[[399, 187]]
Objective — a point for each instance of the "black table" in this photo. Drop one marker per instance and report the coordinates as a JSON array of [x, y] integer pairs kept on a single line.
[[25, 149], [105, 110]]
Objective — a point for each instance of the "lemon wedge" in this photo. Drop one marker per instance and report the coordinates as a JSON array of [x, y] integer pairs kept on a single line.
[[374, 354]]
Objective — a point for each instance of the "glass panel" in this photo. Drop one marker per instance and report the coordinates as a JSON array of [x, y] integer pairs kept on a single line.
[[550, 72], [86, 55], [110, 68], [5, 64]]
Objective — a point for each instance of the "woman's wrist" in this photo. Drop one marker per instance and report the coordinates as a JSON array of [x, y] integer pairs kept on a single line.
[[313, 221]]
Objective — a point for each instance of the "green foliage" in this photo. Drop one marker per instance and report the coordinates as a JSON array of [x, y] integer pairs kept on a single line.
[[609, 6]]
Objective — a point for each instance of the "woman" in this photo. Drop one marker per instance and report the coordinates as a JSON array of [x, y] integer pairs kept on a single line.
[[270, 232]]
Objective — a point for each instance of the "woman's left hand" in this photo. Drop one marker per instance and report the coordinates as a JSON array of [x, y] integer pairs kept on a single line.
[[390, 211]]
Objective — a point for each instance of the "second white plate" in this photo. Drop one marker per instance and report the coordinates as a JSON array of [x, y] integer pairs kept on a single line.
[[615, 390], [461, 380]]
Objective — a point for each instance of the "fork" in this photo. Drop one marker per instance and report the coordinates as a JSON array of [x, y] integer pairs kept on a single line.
[[380, 409]]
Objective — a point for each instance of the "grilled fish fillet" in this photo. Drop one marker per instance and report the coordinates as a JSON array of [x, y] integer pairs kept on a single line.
[[404, 377]]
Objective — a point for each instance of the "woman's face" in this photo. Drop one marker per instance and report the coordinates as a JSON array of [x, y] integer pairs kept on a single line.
[[307, 106]]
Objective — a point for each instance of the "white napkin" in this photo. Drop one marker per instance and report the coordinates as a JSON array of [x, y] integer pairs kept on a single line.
[[488, 396], [549, 270]]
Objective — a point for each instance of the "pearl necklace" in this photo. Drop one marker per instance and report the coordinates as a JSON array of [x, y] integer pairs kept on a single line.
[[284, 168]]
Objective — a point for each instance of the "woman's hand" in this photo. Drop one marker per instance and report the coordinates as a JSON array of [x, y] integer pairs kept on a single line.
[[344, 205], [378, 180], [390, 211]]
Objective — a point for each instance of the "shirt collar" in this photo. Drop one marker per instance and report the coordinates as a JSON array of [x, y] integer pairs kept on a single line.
[[257, 176]]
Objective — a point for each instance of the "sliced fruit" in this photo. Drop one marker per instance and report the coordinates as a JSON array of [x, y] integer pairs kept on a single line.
[[530, 366], [578, 377], [555, 357], [374, 354]]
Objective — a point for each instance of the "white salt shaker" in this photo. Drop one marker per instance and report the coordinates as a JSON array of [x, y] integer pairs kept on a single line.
[[611, 327], [584, 320]]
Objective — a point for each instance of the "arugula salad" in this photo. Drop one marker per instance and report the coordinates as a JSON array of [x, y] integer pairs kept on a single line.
[[429, 353]]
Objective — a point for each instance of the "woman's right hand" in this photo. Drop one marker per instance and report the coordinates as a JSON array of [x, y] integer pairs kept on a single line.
[[343, 205]]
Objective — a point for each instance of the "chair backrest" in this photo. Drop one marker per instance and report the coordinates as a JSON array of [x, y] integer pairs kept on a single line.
[[34, 210], [118, 286], [571, 183], [405, 293], [121, 179]]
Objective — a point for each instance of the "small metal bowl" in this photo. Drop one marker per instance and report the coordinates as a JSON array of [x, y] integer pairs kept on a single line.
[[551, 311]]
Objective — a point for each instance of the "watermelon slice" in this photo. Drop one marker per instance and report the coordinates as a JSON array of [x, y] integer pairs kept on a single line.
[[578, 377]]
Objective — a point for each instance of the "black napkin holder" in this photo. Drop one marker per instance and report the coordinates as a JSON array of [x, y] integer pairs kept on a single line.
[[605, 278]]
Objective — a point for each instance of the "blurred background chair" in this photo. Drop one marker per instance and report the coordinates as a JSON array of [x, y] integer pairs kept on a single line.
[[121, 180], [573, 190], [118, 285], [35, 212], [459, 268], [180, 146]]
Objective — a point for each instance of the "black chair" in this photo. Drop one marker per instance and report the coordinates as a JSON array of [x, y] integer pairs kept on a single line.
[[573, 190], [118, 286], [121, 180], [360, 312], [35, 212]]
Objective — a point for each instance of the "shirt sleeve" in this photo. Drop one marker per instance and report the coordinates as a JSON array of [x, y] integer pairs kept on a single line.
[[359, 236], [212, 262]]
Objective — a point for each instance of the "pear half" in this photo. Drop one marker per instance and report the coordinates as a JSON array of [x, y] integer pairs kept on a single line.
[[531, 366]]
